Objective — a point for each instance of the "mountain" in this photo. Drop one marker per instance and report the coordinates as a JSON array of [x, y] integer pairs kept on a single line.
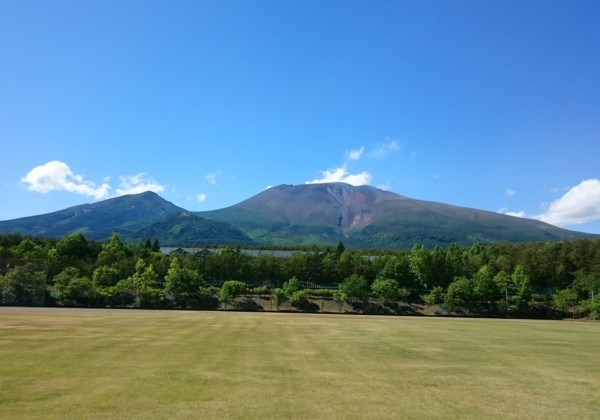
[[365, 216], [313, 214], [183, 229], [134, 217]]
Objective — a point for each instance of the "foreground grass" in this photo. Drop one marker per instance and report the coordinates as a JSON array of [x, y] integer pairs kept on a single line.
[[60, 363]]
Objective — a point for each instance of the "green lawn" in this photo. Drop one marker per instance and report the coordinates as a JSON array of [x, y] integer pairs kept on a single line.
[[61, 363]]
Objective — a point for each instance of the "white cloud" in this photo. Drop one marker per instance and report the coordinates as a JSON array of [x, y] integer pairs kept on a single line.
[[139, 183], [355, 154], [581, 204], [211, 177], [57, 176], [201, 197], [385, 149], [509, 191], [384, 187], [504, 210], [341, 175]]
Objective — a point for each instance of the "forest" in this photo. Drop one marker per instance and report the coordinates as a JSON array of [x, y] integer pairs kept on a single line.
[[531, 280]]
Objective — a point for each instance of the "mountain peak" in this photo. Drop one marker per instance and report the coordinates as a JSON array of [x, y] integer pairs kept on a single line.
[[97, 220], [307, 214], [368, 216]]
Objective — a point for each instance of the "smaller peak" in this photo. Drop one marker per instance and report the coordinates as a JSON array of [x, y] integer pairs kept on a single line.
[[148, 193]]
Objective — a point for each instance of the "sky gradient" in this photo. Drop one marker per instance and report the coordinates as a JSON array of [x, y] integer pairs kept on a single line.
[[492, 105]]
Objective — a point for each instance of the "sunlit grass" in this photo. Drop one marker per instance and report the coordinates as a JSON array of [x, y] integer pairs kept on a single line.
[[60, 363]]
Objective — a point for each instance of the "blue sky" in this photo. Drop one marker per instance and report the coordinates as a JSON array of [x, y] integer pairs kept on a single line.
[[492, 105]]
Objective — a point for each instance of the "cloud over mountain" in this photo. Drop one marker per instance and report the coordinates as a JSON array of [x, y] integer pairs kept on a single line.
[[58, 176], [364, 177], [580, 204], [341, 174]]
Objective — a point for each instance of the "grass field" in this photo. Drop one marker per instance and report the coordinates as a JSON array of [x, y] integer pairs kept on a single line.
[[70, 363]]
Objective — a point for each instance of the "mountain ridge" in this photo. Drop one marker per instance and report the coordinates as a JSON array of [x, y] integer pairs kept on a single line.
[[309, 214], [368, 216]]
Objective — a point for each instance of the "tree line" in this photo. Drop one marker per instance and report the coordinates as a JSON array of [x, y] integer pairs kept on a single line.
[[538, 279]]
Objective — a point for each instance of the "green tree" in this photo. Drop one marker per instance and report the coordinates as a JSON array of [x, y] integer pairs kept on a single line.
[[339, 250], [279, 297], [30, 248], [183, 284], [24, 285], [455, 265], [460, 294], [105, 276], [522, 288], [485, 290], [504, 285], [590, 307], [586, 284], [232, 263], [398, 267], [421, 265], [566, 300], [73, 246], [267, 268], [331, 272], [145, 284], [72, 288], [355, 288], [385, 290], [340, 298], [113, 251], [434, 297], [230, 290], [291, 286], [104, 281], [299, 298], [476, 257], [5, 289]]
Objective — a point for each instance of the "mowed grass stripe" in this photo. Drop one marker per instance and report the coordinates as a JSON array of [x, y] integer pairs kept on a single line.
[[61, 363]]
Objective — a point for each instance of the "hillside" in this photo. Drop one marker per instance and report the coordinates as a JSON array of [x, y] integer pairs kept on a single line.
[[185, 228], [365, 216], [286, 215], [134, 217]]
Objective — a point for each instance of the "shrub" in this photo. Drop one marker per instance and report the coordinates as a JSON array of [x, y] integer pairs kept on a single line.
[[259, 290]]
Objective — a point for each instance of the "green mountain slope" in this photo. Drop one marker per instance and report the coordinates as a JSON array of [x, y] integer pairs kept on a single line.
[[96, 221], [135, 218], [321, 214], [186, 229], [369, 217]]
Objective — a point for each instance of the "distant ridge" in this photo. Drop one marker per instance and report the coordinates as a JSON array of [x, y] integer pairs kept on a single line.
[[134, 217], [98, 220], [290, 215]]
